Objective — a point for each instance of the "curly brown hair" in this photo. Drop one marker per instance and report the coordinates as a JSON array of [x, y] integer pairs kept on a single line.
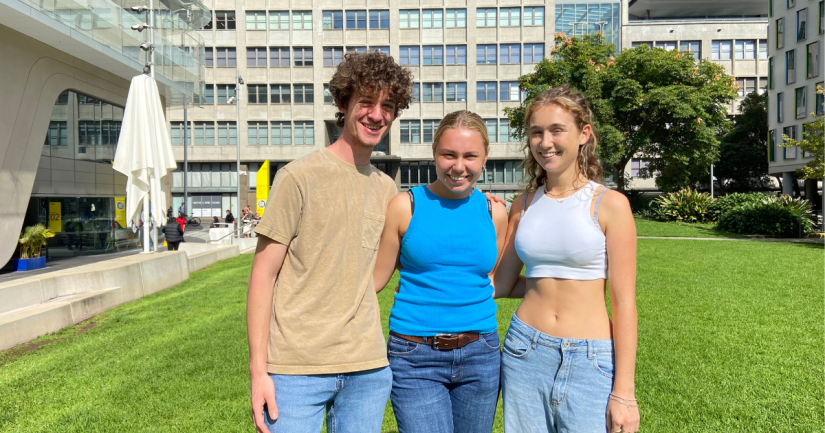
[[577, 105], [370, 73]]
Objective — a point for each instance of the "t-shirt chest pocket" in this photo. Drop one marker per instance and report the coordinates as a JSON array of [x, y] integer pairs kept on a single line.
[[371, 234]]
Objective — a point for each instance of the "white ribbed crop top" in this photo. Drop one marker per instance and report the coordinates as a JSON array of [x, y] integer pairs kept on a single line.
[[559, 239]]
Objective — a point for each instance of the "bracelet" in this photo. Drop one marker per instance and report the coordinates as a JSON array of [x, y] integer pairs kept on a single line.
[[628, 402]]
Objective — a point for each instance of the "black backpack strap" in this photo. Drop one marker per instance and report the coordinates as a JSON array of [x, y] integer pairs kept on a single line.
[[412, 201], [490, 208]]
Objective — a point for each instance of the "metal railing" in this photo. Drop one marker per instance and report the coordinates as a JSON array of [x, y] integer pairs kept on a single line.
[[643, 21], [220, 239]]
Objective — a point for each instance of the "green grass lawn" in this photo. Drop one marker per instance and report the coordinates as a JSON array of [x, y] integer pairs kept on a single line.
[[730, 340], [679, 229]]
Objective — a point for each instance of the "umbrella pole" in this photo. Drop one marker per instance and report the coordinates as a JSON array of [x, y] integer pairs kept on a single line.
[[145, 225]]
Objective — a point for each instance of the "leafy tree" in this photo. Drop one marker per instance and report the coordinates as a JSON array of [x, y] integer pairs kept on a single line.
[[743, 162], [813, 142], [652, 102]]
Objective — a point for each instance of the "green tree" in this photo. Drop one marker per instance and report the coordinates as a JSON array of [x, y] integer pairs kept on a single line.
[[813, 142], [743, 165], [660, 104]]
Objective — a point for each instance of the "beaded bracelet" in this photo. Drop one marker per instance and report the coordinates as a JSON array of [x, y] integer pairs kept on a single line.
[[628, 402]]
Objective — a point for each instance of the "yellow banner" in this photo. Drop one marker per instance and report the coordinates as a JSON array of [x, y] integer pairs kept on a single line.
[[262, 190], [120, 211], [55, 217]]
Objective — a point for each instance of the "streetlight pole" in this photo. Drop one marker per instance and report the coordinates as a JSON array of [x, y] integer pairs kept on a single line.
[[238, 82]]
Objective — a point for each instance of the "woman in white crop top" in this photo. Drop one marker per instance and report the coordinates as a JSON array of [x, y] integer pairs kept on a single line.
[[566, 366]]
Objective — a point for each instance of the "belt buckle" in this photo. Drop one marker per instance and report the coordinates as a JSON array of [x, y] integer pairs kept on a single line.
[[436, 337]]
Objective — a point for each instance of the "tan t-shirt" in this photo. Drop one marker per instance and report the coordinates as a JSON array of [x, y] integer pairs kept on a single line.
[[325, 313]]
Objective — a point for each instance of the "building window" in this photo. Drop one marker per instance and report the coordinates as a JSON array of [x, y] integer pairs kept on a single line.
[[456, 18], [580, 19], [226, 57], [281, 133], [379, 19], [812, 60], [508, 91], [278, 20], [456, 92], [780, 33], [433, 92], [385, 50], [257, 133], [666, 45], [770, 73], [256, 93], [485, 91], [356, 20], [430, 126], [62, 98], [763, 85], [456, 54], [208, 57], [533, 53], [745, 50], [408, 19], [280, 93], [327, 95], [821, 17], [432, 18], [492, 128], [409, 55], [486, 54], [416, 96], [224, 92], [304, 94], [59, 136], [414, 173], [636, 44], [533, 16], [819, 99], [333, 20], [510, 54], [692, 47], [801, 105], [746, 86], [209, 94], [301, 20], [509, 17], [227, 133], [256, 20], [790, 67], [720, 50], [256, 57], [780, 108], [356, 49], [801, 23], [302, 56], [772, 145], [279, 57], [789, 152], [411, 131], [486, 17], [790, 3], [763, 49], [637, 165], [225, 20], [333, 56], [504, 135], [433, 55], [305, 132], [204, 134]]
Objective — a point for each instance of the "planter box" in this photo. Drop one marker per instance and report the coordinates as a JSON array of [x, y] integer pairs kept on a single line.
[[30, 264]]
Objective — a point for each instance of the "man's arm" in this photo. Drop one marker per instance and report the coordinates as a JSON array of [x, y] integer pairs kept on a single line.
[[269, 257], [399, 213]]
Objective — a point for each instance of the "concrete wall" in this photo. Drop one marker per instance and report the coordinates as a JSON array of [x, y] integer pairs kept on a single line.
[[34, 74]]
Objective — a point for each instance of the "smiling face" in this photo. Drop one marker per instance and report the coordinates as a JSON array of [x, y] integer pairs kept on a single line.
[[555, 138], [459, 161], [367, 118]]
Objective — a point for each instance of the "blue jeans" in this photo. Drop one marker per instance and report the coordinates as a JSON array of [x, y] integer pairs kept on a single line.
[[555, 385], [354, 402], [445, 391]]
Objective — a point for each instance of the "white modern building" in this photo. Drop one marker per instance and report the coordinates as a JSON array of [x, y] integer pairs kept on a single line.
[[795, 48]]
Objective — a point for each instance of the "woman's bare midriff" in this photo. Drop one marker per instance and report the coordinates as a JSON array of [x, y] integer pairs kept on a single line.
[[566, 308]]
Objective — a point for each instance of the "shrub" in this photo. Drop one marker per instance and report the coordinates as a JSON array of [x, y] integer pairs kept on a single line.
[[723, 204], [770, 216], [639, 202], [687, 205]]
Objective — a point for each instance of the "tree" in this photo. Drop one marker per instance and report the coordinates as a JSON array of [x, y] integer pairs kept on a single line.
[[657, 104], [813, 142], [743, 162]]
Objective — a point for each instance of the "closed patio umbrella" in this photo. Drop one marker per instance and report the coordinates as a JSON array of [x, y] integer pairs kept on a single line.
[[144, 153]]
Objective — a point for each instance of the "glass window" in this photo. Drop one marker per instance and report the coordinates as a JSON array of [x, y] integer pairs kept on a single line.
[[433, 55], [812, 60], [432, 18], [408, 19], [746, 86], [279, 57], [208, 57], [508, 91], [356, 49], [790, 3], [456, 54], [772, 145], [302, 20], [416, 96], [534, 16], [790, 132], [281, 133], [509, 53], [433, 92], [409, 55], [385, 50], [224, 91], [209, 94], [227, 133], [745, 50], [486, 17], [790, 67], [780, 107], [430, 126], [666, 45], [821, 17], [485, 54], [257, 93], [333, 20], [379, 19], [411, 131], [58, 134], [504, 132], [492, 129], [225, 20], [256, 57], [302, 56], [819, 99], [763, 49], [327, 95], [780, 33], [720, 50], [456, 92], [801, 22], [280, 93], [636, 44], [485, 91], [227, 58], [333, 56], [204, 134], [355, 20], [533, 53], [763, 86], [692, 47], [801, 105], [770, 73], [456, 18], [256, 20], [509, 17], [637, 165], [278, 20], [305, 132], [303, 94], [257, 133]]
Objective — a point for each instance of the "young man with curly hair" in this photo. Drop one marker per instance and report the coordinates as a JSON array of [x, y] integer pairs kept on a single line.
[[315, 339]]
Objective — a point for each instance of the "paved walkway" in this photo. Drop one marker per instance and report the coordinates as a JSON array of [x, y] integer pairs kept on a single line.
[[791, 240]]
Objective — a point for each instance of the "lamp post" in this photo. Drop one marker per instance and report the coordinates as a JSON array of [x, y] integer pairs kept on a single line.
[[150, 50], [237, 101]]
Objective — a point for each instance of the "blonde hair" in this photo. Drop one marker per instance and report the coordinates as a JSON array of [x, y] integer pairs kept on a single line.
[[466, 119], [576, 104]]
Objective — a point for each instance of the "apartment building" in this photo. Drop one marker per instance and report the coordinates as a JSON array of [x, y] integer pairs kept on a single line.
[[795, 47], [464, 55]]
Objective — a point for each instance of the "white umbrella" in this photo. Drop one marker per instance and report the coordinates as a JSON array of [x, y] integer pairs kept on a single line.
[[144, 152]]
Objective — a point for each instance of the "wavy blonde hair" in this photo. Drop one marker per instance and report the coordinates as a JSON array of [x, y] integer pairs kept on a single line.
[[576, 104], [466, 119]]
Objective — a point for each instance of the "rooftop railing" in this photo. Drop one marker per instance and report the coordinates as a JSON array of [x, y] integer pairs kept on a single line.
[[645, 21]]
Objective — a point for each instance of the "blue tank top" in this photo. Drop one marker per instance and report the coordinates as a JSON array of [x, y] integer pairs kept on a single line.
[[446, 254]]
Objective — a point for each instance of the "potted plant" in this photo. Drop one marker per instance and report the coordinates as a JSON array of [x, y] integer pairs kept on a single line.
[[31, 241]]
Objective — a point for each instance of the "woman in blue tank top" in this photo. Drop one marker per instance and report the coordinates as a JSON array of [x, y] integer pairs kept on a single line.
[[566, 366], [445, 237]]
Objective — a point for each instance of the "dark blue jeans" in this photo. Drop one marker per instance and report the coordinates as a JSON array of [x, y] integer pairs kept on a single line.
[[445, 391]]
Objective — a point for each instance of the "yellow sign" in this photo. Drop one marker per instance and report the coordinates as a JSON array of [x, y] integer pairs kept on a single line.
[[262, 188], [120, 211], [55, 217]]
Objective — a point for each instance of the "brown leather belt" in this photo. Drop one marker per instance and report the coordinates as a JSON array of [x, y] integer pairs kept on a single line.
[[443, 341]]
